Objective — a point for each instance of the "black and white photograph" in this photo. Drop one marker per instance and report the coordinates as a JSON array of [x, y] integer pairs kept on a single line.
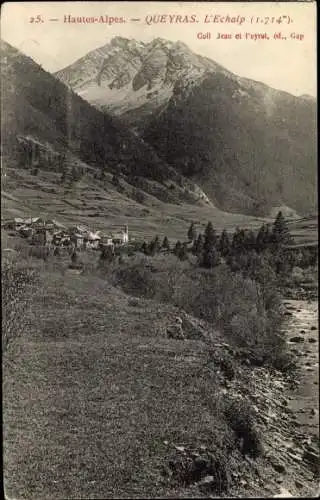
[[159, 250]]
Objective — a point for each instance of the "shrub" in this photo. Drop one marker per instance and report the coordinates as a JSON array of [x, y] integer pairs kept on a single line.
[[224, 361], [210, 258], [132, 302], [40, 252], [241, 418], [246, 311], [137, 279], [187, 470], [138, 195], [159, 277], [107, 254]]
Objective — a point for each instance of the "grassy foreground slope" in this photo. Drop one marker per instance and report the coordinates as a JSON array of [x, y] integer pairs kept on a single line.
[[93, 390], [100, 403]]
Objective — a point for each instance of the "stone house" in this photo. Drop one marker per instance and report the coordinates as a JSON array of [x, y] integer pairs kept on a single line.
[[78, 240], [93, 240], [42, 236], [122, 237]]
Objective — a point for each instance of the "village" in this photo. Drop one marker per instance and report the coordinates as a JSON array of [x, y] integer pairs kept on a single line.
[[51, 233]]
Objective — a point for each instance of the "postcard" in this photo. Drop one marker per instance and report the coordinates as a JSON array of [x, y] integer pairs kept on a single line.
[[159, 247]]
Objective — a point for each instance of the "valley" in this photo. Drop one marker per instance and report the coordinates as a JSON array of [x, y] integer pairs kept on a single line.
[[88, 201], [181, 360]]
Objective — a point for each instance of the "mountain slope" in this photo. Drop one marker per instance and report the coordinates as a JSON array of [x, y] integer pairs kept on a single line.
[[48, 131], [248, 146], [40, 108], [245, 155]]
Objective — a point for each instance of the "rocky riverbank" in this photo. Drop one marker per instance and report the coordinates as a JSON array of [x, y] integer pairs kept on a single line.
[[286, 414], [292, 432]]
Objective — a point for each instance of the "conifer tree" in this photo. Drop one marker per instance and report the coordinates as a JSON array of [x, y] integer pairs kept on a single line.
[[238, 241], [183, 252], [268, 236], [249, 240], [151, 248], [144, 248], [155, 246], [177, 248], [192, 233], [280, 231], [115, 180], [224, 243], [165, 243], [210, 258], [263, 238], [210, 237], [197, 248]]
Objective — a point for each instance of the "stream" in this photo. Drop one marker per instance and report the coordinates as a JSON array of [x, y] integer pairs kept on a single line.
[[295, 440]]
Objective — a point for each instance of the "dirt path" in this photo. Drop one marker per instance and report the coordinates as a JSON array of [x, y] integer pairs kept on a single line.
[[294, 439]]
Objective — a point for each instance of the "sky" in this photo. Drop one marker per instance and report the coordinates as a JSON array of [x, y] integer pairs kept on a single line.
[[285, 61]]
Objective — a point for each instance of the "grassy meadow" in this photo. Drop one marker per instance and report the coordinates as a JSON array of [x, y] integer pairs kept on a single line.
[[93, 389]]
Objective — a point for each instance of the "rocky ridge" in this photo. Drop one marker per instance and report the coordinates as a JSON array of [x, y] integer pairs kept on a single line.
[[126, 74]]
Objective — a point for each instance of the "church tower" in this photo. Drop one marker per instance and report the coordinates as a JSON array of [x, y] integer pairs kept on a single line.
[[126, 234]]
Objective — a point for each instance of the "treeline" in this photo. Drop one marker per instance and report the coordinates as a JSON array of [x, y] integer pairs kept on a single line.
[[232, 281], [271, 243]]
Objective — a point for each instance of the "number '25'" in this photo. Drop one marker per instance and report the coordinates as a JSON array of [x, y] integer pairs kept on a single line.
[[37, 19]]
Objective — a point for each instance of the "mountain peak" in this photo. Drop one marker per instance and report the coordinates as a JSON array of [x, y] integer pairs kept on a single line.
[[124, 43], [119, 40], [150, 70], [308, 97]]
